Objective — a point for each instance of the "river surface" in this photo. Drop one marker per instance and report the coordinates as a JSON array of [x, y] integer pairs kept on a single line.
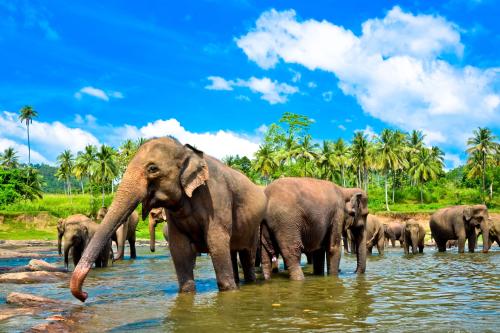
[[432, 292]]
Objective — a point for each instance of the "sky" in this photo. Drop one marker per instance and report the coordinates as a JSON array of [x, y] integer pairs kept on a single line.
[[216, 73]]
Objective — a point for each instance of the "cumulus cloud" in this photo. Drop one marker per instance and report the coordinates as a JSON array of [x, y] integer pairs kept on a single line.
[[98, 93], [219, 143], [341, 127], [327, 96], [22, 151], [271, 91], [49, 139], [454, 160], [394, 69], [312, 84]]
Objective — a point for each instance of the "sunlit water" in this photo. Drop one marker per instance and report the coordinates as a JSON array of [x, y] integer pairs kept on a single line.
[[433, 292]]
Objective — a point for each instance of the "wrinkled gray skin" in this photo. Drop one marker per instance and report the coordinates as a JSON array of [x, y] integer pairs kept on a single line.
[[61, 227], [308, 215], [460, 222], [413, 236], [494, 226], [76, 237], [210, 208], [125, 232], [156, 215], [393, 232], [374, 234]]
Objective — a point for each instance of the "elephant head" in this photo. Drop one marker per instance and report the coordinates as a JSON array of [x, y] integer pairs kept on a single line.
[[76, 236], [60, 233], [163, 173], [476, 217], [411, 230], [101, 213], [157, 215], [356, 208]]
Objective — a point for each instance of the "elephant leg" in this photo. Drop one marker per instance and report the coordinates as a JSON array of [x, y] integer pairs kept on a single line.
[[441, 245], [345, 242], [380, 246], [133, 253], [318, 259], [369, 249], [266, 262], [291, 250], [421, 247], [184, 258], [472, 241], [218, 245], [120, 241], [234, 262], [393, 241], [334, 248], [309, 257], [461, 243], [247, 259]]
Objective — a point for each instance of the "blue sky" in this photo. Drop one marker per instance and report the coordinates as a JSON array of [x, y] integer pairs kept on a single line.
[[215, 73]]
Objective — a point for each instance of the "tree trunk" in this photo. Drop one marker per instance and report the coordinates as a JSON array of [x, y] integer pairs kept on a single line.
[[103, 195], [484, 171], [421, 194], [343, 176], [81, 184], [29, 145], [393, 185], [69, 186], [386, 197]]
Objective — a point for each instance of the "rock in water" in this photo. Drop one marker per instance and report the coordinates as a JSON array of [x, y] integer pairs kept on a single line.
[[30, 300], [41, 265], [33, 277]]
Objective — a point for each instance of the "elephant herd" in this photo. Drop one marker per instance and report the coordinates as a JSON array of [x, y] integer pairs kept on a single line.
[[212, 208]]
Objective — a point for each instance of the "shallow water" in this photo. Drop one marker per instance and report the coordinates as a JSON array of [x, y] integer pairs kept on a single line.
[[431, 292]]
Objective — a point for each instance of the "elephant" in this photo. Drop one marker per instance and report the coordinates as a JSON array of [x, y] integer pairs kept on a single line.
[[156, 215], [494, 236], [61, 224], [451, 243], [413, 235], [76, 236], [460, 222], [393, 231], [308, 215], [211, 208], [374, 234], [125, 232]]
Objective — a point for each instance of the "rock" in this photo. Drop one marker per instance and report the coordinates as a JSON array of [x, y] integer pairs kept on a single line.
[[33, 277], [51, 327], [41, 265], [31, 300], [5, 254], [7, 313]]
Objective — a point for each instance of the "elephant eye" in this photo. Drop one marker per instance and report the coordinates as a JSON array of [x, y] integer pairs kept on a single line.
[[152, 168]]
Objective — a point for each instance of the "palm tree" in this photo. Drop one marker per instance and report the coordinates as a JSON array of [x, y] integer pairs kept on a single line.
[[127, 151], [265, 162], [307, 151], [415, 142], [104, 169], [83, 164], [26, 115], [341, 156], [482, 144], [65, 170], [9, 159], [326, 160], [426, 166], [32, 186], [360, 156]]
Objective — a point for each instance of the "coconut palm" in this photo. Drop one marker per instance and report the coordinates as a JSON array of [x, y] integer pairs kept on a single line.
[[481, 145], [341, 156], [9, 159], [65, 169], [360, 157], [127, 151], [83, 164], [326, 160], [426, 166], [265, 162], [104, 169], [26, 115], [306, 151]]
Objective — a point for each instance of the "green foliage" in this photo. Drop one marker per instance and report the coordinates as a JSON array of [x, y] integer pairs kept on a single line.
[[19, 184]]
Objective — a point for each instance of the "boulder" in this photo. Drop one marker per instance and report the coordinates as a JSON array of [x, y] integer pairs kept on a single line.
[[33, 277], [23, 299], [41, 265], [7, 312]]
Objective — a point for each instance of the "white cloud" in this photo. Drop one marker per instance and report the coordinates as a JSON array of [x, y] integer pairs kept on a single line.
[[341, 127], [296, 76], [454, 160], [98, 93], [271, 91], [219, 83], [22, 151], [394, 69], [243, 98], [369, 132], [348, 120], [219, 143], [88, 119], [327, 96], [312, 84], [50, 139]]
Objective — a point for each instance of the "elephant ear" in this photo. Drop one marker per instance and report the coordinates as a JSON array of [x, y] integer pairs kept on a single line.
[[468, 213], [194, 171]]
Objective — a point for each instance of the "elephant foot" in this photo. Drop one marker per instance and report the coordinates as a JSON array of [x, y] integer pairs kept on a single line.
[[226, 286], [296, 274], [187, 287]]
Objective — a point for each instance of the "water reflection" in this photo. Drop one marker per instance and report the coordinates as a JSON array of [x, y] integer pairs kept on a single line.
[[433, 291]]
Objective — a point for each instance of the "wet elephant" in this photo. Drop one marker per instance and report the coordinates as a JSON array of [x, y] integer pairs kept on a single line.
[[308, 215], [393, 232], [76, 237], [460, 222], [211, 208], [61, 224], [494, 227], [156, 216], [413, 236], [451, 243], [374, 234]]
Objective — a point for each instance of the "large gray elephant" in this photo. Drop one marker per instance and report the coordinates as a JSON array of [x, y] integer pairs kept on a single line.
[[374, 234], [413, 235], [156, 215], [211, 208], [460, 222], [76, 237], [494, 227], [61, 225], [308, 215], [393, 232]]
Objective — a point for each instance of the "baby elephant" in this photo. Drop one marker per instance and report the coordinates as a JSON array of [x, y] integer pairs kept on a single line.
[[374, 234], [413, 235]]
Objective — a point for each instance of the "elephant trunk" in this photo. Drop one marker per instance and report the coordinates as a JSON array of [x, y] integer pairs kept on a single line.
[[414, 242], [485, 229], [59, 243], [152, 240], [132, 190], [67, 247], [361, 251]]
